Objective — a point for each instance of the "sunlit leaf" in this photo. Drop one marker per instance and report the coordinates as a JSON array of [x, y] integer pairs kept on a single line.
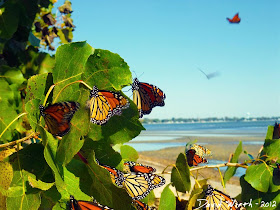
[[232, 170], [128, 153], [180, 174], [167, 199]]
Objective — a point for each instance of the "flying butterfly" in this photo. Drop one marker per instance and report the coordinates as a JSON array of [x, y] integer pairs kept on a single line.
[[58, 116], [201, 150], [138, 167], [146, 97], [235, 19], [276, 131], [86, 205], [142, 206], [105, 104], [216, 199], [194, 159]]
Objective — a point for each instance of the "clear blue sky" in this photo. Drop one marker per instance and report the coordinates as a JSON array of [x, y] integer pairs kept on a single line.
[[168, 40]]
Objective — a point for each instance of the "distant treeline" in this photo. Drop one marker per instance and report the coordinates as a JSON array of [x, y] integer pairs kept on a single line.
[[209, 119]]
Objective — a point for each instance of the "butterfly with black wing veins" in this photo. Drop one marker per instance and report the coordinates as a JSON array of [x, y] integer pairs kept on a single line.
[[235, 19], [146, 97], [58, 116], [105, 104], [86, 205]]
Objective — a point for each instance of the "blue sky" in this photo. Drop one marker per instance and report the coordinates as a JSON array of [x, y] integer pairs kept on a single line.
[[168, 40]]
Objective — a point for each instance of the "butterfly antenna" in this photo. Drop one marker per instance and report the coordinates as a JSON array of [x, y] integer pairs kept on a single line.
[[141, 74]]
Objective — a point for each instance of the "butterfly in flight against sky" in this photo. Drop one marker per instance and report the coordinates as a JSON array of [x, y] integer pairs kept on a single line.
[[146, 97], [235, 19], [105, 104], [58, 116], [86, 205], [210, 75]]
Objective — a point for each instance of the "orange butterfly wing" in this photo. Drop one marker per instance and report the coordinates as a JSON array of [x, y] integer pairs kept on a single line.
[[235, 19], [86, 205], [58, 116], [138, 167], [194, 159]]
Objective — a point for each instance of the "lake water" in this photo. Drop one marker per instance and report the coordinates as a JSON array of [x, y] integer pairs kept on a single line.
[[167, 133]]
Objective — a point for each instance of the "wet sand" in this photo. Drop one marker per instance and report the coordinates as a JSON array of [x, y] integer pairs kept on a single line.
[[221, 147]]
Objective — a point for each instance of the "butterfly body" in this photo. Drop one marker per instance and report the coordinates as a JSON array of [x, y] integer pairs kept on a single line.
[[194, 159], [105, 104], [58, 116], [86, 205], [235, 19], [146, 97]]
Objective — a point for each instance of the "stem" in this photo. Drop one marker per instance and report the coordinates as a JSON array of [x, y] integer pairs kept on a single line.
[[222, 179], [48, 93], [167, 167], [12, 123], [78, 81], [195, 180], [19, 141]]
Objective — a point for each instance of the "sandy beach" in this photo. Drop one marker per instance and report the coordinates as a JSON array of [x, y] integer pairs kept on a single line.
[[222, 147]]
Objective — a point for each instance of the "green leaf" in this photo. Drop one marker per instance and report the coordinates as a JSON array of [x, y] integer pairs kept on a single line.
[[37, 87], [39, 184], [33, 40], [167, 199], [32, 108], [150, 198], [271, 149], [128, 153], [123, 128], [103, 190], [6, 94], [107, 71], [256, 198], [28, 201], [72, 142], [259, 176], [269, 134], [7, 115], [194, 198], [70, 60], [14, 76], [180, 174], [232, 170], [9, 13]]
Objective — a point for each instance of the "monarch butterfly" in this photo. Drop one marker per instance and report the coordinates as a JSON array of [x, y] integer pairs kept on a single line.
[[201, 150], [141, 206], [235, 19], [138, 167], [138, 185], [194, 159], [116, 175], [86, 205], [58, 116], [276, 131], [105, 104], [146, 97], [218, 200]]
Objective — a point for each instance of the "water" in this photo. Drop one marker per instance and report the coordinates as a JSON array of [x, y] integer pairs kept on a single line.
[[167, 133]]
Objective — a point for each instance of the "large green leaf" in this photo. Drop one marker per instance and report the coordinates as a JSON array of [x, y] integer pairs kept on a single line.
[[7, 115], [32, 108], [167, 199], [119, 129], [9, 13], [271, 149], [180, 174], [128, 153], [6, 93], [107, 71], [231, 170], [256, 199], [70, 60], [103, 190], [259, 176]]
